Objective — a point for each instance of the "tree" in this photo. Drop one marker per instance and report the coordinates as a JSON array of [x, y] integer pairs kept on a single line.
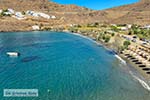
[[3, 13], [113, 34], [126, 44], [23, 13], [114, 28], [130, 32], [107, 38], [73, 30]]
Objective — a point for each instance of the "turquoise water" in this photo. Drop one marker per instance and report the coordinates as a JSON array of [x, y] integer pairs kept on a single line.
[[70, 66]]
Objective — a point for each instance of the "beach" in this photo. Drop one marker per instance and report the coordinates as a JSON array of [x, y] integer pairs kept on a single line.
[[134, 68]]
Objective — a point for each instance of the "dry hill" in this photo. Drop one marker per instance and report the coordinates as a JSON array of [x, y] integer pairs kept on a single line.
[[137, 13]]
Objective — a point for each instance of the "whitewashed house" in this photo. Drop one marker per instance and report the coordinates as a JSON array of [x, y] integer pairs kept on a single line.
[[114, 25], [29, 12], [53, 17], [35, 27], [123, 28], [19, 16], [1, 10], [147, 27], [44, 15], [7, 13], [129, 26], [11, 11], [37, 14]]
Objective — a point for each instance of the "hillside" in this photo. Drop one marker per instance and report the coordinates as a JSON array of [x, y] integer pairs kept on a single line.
[[137, 13], [39, 5]]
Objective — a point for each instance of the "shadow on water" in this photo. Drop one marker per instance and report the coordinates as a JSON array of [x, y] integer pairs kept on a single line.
[[111, 52], [30, 58], [38, 45]]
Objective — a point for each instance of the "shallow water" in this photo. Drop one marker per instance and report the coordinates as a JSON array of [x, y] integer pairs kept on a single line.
[[70, 66]]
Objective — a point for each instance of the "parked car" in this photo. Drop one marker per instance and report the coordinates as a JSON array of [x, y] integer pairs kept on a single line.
[[134, 37], [133, 40], [144, 43]]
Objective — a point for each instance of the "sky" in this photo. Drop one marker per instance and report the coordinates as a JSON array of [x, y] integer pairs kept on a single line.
[[96, 4]]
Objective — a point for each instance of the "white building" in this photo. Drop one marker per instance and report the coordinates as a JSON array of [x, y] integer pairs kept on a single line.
[[147, 27], [19, 16], [53, 17], [129, 26], [35, 27], [44, 15], [1, 10], [8, 12], [113, 25], [11, 11], [37, 14], [124, 28], [29, 12]]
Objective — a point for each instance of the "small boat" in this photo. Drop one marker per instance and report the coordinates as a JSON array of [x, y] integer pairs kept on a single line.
[[13, 54]]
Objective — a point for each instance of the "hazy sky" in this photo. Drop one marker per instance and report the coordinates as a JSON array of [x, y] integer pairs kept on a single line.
[[96, 4]]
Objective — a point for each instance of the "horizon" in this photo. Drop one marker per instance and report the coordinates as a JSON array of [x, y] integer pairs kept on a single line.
[[96, 4]]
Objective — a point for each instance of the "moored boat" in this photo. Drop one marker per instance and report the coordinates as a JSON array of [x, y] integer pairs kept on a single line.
[[13, 54]]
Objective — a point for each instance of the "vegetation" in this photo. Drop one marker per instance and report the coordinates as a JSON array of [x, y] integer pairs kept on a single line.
[[141, 33], [72, 29], [107, 38], [5, 10], [103, 36], [99, 36], [96, 24], [23, 12], [126, 44], [114, 28], [113, 34], [3, 13]]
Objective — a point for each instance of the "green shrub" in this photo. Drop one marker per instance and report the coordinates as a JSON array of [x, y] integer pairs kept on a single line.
[[99, 36], [74, 30], [5, 10], [113, 34], [103, 37], [130, 33], [107, 38], [126, 44], [3, 13], [23, 12], [114, 28]]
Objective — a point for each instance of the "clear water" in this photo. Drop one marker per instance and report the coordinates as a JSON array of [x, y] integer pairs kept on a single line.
[[71, 67]]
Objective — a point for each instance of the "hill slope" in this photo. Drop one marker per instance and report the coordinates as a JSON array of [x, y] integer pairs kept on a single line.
[[137, 13]]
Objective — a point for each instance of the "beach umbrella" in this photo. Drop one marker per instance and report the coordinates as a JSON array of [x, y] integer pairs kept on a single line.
[[134, 54], [137, 56], [141, 59]]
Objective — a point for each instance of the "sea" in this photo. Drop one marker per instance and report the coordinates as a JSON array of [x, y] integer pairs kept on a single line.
[[64, 66]]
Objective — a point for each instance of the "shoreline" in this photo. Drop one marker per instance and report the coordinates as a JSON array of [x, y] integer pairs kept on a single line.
[[137, 74], [132, 70], [130, 65]]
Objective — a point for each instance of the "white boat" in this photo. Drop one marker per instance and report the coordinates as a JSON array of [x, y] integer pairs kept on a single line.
[[13, 54]]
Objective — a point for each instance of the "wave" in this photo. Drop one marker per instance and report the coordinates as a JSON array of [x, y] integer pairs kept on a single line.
[[142, 82], [123, 61]]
